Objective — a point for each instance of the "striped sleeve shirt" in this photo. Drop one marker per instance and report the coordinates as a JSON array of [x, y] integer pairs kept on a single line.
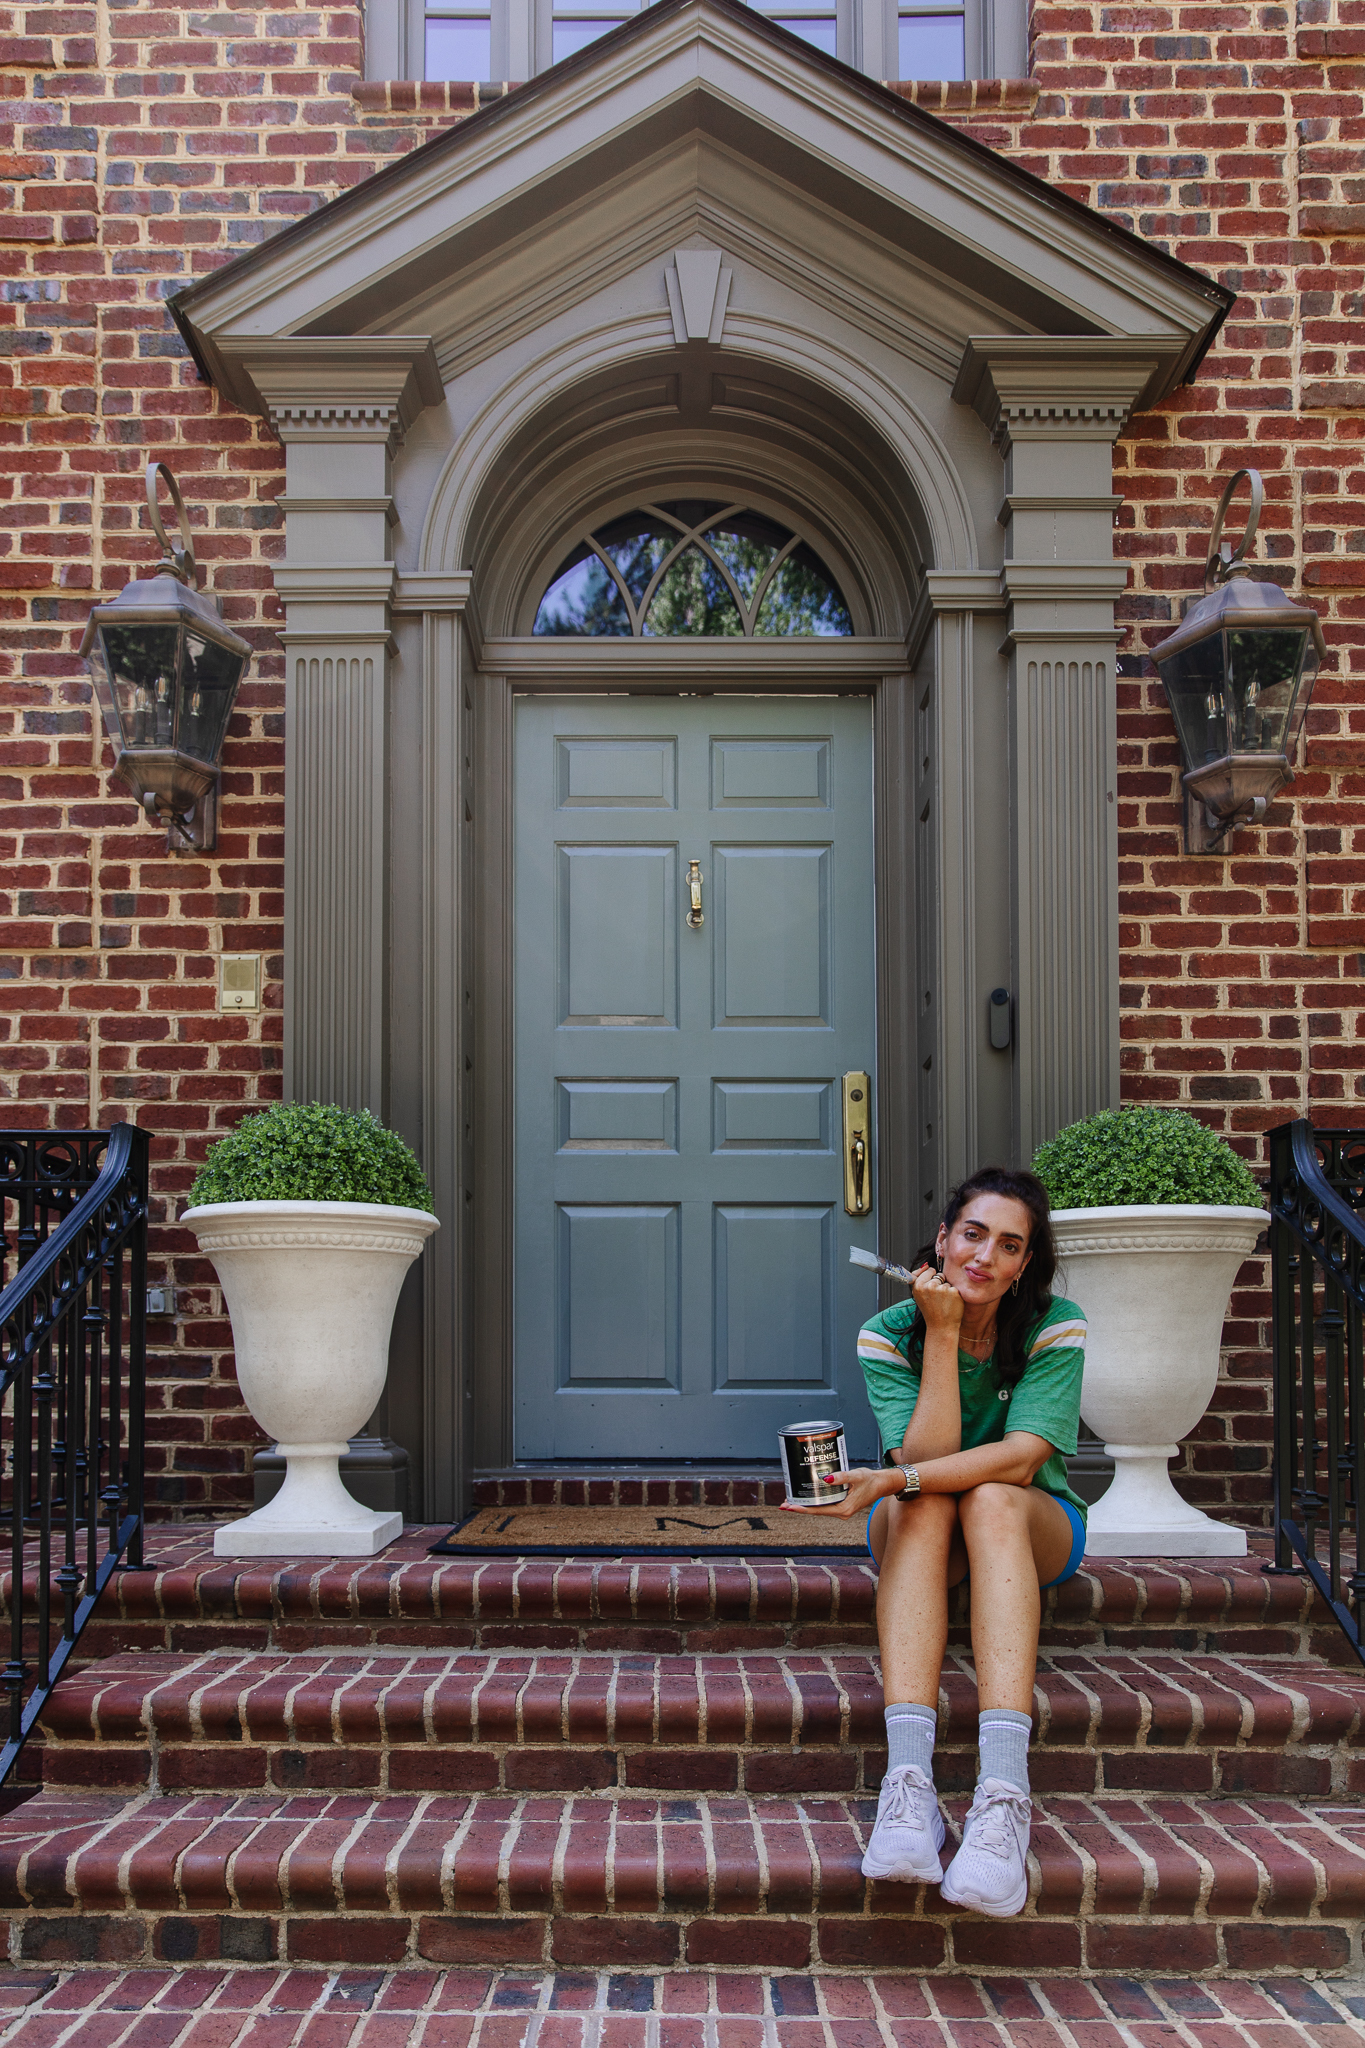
[[1045, 1400]]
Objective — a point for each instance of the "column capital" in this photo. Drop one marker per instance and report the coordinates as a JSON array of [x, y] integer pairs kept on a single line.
[[1062, 386], [333, 387]]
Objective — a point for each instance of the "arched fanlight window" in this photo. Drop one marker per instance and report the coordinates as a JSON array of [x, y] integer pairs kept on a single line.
[[695, 568]]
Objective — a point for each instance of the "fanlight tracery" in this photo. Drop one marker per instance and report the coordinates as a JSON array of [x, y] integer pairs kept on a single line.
[[692, 567]]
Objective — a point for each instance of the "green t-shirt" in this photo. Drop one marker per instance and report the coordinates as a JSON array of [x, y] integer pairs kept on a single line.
[[1045, 1400]]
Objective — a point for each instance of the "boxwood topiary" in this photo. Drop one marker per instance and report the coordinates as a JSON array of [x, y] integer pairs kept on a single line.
[[1139, 1156], [312, 1152]]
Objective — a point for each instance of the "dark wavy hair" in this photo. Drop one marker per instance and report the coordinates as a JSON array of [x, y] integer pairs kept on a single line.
[[1017, 1312]]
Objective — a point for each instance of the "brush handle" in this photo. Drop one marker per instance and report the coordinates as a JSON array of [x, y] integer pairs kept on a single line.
[[874, 1264]]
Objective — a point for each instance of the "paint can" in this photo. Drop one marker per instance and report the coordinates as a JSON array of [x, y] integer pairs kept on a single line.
[[810, 1449]]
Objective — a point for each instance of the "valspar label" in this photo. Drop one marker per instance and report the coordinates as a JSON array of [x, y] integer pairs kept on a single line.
[[809, 1450]]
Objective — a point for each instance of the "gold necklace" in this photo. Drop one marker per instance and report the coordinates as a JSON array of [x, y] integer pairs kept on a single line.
[[981, 1356]]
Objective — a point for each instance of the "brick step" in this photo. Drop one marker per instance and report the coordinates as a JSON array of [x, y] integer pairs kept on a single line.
[[631, 1486], [399, 1722], [1118, 1885], [192, 1601]]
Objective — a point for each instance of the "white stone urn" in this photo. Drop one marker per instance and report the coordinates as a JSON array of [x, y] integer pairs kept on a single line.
[[311, 1288], [1154, 1282]]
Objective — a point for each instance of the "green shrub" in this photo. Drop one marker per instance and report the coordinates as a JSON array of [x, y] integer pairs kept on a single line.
[[312, 1152], [1133, 1156]]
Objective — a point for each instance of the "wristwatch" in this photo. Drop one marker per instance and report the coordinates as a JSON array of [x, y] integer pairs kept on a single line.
[[911, 1485]]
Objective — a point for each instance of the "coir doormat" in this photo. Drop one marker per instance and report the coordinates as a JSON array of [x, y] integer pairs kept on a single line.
[[547, 1530]]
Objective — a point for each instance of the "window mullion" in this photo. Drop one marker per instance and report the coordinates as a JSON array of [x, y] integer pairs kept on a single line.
[[768, 574], [657, 578], [736, 593]]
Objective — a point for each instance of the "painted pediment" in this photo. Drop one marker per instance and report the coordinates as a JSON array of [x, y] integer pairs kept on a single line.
[[698, 127]]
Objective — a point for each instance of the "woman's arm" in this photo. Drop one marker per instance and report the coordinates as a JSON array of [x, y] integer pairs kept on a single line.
[[935, 1428], [1014, 1461], [1011, 1462]]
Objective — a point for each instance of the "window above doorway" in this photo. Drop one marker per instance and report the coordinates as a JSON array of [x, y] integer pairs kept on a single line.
[[692, 566], [483, 40]]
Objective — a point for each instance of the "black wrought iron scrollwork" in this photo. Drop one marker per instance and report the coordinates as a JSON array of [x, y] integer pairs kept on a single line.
[[1317, 1246], [72, 1392]]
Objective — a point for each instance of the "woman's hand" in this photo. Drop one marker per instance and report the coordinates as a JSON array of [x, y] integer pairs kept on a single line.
[[866, 1486], [938, 1301]]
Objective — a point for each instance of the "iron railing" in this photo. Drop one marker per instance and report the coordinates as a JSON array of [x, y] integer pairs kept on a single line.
[[43, 1174], [72, 1394], [1317, 1246]]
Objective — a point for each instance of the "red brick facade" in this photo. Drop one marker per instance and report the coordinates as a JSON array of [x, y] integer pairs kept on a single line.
[[145, 145]]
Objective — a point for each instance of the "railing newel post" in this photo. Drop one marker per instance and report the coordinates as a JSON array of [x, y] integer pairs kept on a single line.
[[1316, 1230], [62, 1334]]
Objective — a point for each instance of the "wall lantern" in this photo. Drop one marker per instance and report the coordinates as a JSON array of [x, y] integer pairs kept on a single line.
[[1238, 674], [166, 670]]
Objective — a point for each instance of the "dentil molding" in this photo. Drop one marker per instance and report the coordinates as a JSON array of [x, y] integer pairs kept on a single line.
[[363, 387], [1060, 384]]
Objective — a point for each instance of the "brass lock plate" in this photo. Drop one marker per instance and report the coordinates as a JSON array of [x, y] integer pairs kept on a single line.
[[858, 1144]]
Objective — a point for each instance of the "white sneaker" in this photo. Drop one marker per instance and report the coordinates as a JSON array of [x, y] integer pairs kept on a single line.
[[989, 1873], [909, 1831]]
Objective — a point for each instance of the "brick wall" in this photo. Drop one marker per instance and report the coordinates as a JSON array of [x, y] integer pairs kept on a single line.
[[144, 145], [1232, 136]]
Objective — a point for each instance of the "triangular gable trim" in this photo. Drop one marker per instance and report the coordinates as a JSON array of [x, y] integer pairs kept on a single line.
[[184, 303]]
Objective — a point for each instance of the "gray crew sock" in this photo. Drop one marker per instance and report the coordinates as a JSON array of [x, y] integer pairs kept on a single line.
[[910, 1736], [1003, 1737]]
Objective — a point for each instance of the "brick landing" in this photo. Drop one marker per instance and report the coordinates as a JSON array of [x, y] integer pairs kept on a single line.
[[193, 1601], [264, 2008]]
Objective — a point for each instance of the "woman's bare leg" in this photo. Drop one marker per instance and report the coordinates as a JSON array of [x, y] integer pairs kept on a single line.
[[1017, 1538], [918, 1549], [919, 1552]]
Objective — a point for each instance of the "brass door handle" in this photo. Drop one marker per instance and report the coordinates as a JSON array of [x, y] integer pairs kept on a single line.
[[694, 882], [858, 1144]]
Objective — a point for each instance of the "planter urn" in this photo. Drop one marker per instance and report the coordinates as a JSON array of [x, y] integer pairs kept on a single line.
[[311, 1288], [1154, 1282]]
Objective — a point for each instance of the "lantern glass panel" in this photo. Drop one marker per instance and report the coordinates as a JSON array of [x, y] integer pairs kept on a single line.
[[1266, 671], [141, 663], [1194, 681], [211, 675]]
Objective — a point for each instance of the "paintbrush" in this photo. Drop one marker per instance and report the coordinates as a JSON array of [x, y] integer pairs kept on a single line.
[[857, 1257]]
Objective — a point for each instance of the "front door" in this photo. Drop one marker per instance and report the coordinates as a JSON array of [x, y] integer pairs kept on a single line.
[[682, 1285]]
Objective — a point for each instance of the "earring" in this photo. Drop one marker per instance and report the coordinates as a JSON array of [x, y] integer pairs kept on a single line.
[[1015, 1288], [940, 1265]]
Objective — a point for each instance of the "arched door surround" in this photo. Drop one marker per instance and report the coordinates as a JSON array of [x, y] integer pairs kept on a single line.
[[696, 257]]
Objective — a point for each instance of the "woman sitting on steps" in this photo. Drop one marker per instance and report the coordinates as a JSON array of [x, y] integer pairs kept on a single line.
[[975, 1384]]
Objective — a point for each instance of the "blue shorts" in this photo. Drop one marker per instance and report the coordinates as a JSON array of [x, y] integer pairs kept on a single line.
[[1068, 1570]]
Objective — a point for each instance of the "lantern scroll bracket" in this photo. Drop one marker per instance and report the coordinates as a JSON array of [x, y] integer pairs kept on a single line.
[[1224, 559], [179, 561]]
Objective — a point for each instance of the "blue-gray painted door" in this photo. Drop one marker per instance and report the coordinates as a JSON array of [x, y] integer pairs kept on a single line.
[[682, 1286]]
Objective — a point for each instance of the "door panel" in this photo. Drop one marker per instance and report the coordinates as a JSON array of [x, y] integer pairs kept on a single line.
[[617, 1284], [769, 774], [618, 1116], [596, 774], [772, 1116], [774, 1296], [772, 935], [605, 892], [682, 1286]]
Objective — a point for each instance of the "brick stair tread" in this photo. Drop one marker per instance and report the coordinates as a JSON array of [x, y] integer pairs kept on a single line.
[[192, 1600], [569, 1486], [1093, 1858], [510, 1720]]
